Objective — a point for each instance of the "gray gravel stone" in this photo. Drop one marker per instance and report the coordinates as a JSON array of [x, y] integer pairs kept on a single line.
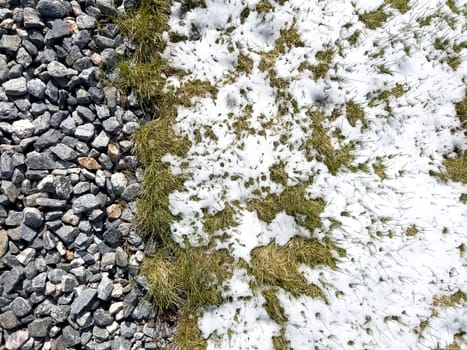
[[67, 234], [111, 125], [64, 152], [105, 288], [112, 236], [85, 132], [27, 233], [83, 299], [51, 8], [39, 328], [85, 203], [15, 87], [8, 320], [119, 183], [3, 242], [130, 192], [20, 307], [71, 336], [33, 217], [36, 88], [31, 19], [36, 160], [86, 22], [10, 43], [16, 340]]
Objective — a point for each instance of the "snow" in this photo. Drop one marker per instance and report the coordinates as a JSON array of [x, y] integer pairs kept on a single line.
[[384, 288]]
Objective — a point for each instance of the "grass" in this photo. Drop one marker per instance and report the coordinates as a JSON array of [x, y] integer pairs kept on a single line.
[[273, 306], [456, 169], [195, 88], [355, 113], [187, 278], [320, 142], [411, 231], [244, 64], [374, 19], [280, 341], [218, 221], [461, 111], [263, 6], [293, 202], [288, 38], [188, 335], [452, 300], [401, 5], [284, 272], [278, 174], [379, 169]]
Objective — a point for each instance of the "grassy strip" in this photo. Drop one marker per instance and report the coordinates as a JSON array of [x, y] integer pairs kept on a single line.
[[188, 279]]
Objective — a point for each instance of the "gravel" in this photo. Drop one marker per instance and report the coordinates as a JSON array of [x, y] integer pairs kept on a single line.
[[69, 254]]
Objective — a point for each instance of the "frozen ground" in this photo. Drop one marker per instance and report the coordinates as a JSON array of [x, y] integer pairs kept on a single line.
[[383, 293]]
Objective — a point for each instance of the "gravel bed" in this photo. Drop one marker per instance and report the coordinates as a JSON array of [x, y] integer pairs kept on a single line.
[[69, 254]]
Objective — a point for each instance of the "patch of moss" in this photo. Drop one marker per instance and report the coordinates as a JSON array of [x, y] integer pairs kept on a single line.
[[452, 6], [244, 14], [188, 5], [177, 37], [288, 39], [273, 306], [244, 64], [145, 27], [292, 200], [379, 169], [461, 111], [411, 231], [456, 169], [320, 142], [278, 174], [195, 88], [354, 37], [152, 141], [354, 113], [220, 220], [374, 19], [284, 272], [463, 198], [441, 44], [450, 300], [401, 5], [188, 335], [454, 62], [280, 341], [263, 6]]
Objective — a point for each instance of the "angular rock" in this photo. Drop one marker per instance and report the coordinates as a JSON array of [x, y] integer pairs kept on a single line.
[[85, 203], [16, 340], [36, 88], [85, 132], [51, 8], [64, 152], [3, 243], [40, 161], [31, 19], [15, 87], [105, 288], [20, 307], [8, 320], [71, 336], [84, 299], [39, 328], [89, 163], [112, 236], [10, 43], [67, 234]]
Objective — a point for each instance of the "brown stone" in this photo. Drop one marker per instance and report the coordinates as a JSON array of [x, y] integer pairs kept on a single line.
[[69, 255], [114, 211], [113, 151], [89, 163], [72, 26]]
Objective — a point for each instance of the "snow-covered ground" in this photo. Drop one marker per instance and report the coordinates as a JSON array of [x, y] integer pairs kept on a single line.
[[382, 291]]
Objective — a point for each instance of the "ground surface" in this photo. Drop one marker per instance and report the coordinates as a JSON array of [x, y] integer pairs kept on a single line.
[[331, 121]]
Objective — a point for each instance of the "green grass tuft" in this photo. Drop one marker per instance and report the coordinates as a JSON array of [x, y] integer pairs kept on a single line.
[[219, 220], [292, 200], [374, 19], [280, 341], [263, 6], [278, 174], [456, 169], [284, 272], [273, 306], [354, 113], [401, 5]]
